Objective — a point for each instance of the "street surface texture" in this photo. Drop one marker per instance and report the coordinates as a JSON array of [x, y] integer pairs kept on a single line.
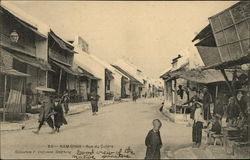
[[118, 126]]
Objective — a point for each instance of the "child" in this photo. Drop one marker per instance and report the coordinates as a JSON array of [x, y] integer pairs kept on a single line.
[[161, 108], [153, 141]]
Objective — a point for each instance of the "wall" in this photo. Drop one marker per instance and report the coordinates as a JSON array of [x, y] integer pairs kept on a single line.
[[115, 86], [86, 62], [72, 81], [42, 48], [7, 60], [130, 69]]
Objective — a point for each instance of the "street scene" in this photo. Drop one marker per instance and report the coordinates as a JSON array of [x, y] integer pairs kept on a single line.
[[125, 80]]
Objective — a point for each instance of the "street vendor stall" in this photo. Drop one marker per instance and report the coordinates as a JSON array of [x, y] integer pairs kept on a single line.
[[228, 41]]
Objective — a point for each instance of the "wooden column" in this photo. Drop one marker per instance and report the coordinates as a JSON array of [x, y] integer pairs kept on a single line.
[[227, 81], [216, 90], [79, 87], [47, 79], [175, 95], [59, 84], [68, 84], [4, 98], [248, 78]]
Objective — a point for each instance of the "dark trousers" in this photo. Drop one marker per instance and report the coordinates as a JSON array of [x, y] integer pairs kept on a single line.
[[94, 108], [94, 105], [207, 112], [66, 107], [49, 121], [197, 132]]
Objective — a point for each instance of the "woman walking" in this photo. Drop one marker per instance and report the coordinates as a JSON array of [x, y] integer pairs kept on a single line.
[[58, 117]]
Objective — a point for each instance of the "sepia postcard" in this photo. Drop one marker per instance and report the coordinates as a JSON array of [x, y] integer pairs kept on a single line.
[[124, 79]]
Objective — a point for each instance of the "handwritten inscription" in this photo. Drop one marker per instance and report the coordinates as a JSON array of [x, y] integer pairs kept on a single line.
[[85, 151], [104, 153]]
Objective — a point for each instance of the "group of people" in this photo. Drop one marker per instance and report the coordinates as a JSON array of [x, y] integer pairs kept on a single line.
[[233, 108], [52, 110]]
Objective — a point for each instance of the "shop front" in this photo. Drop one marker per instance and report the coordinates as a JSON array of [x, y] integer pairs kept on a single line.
[[61, 59], [20, 53], [109, 95]]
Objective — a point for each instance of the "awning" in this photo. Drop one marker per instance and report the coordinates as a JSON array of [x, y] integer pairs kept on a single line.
[[27, 59], [132, 79], [173, 72], [61, 43], [228, 64], [108, 74], [85, 73], [12, 72], [230, 28], [125, 79], [26, 25], [207, 76], [205, 32], [65, 68]]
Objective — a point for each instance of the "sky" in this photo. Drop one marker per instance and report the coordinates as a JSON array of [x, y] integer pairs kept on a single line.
[[149, 34]]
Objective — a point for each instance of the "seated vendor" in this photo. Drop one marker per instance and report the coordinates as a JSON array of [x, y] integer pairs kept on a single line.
[[232, 112], [241, 121], [216, 124]]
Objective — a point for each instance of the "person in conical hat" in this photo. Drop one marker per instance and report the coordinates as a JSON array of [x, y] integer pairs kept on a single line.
[[46, 110]]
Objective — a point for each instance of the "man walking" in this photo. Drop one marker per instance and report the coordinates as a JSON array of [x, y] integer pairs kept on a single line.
[[94, 98], [46, 110], [30, 97]]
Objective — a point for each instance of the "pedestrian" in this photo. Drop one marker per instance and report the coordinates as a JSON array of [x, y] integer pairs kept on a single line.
[[197, 125], [59, 116], [94, 98], [65, 100], [180, 91], [153, 141], [206, 100], [161, 108], [46, 110], [195, 98], [134, 96], [29, 97]]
